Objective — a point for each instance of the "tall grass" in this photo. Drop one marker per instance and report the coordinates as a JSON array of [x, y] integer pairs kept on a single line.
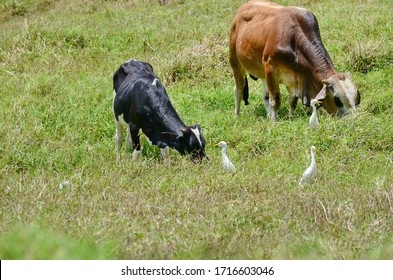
[[61, 188]]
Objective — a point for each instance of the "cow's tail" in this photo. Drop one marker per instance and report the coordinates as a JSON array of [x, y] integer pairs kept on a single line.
[[253, 77], [245, 92]]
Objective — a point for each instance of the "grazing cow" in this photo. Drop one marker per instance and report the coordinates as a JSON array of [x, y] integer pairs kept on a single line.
[[282, 45], [141, 102]]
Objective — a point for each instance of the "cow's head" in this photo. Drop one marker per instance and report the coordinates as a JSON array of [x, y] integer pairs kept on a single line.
[[339, 94], [189, 141], [193, 142]]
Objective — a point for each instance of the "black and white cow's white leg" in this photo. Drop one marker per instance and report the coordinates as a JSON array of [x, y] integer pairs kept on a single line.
[[165, 155], [119, 138], [134, 132], [119, 133], [128, 139]]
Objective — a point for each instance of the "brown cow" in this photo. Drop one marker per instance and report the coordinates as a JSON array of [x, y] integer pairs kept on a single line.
[[282, 45]]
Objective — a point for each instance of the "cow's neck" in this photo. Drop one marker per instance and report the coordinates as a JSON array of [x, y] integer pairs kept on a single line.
[[314, 75], [174, 125], [323, 70], [170, 119], [317, 60]]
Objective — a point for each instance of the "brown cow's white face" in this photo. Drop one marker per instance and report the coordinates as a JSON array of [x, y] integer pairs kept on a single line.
[[339, 94]]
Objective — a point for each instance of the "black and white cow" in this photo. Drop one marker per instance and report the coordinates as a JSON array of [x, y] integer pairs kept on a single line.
[[141, 102]]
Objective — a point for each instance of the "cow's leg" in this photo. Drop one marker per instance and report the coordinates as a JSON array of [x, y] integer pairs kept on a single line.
[[273, 88], [292, 104], [165, 155], [128, 139], [119, 138], [293, 99], [275, 102], [239, 74], [266, 97], [119, 131], [134, 132], [273, 91], [240, 87], [238, 98]]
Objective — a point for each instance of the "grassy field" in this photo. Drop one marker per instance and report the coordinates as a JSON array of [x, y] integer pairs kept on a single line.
[[64, 197]]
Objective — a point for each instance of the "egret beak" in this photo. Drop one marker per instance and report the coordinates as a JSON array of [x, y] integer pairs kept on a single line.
[[317, 103], [217, 145]]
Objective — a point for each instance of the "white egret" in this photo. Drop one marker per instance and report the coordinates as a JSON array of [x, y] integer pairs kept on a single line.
[[314, 119], [310, 173], [227, 164]]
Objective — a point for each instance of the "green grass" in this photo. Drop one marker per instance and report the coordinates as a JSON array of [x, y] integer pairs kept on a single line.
[[57, 59]]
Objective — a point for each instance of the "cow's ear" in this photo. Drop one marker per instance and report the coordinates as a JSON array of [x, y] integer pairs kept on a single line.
[[170, 136], [327, 82], [125, 69], [150, 66], [322, 94], [185, 130]]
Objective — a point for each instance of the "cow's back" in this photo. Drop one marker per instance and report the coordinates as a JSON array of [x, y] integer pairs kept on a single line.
[[128, 69], [265, 29]]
